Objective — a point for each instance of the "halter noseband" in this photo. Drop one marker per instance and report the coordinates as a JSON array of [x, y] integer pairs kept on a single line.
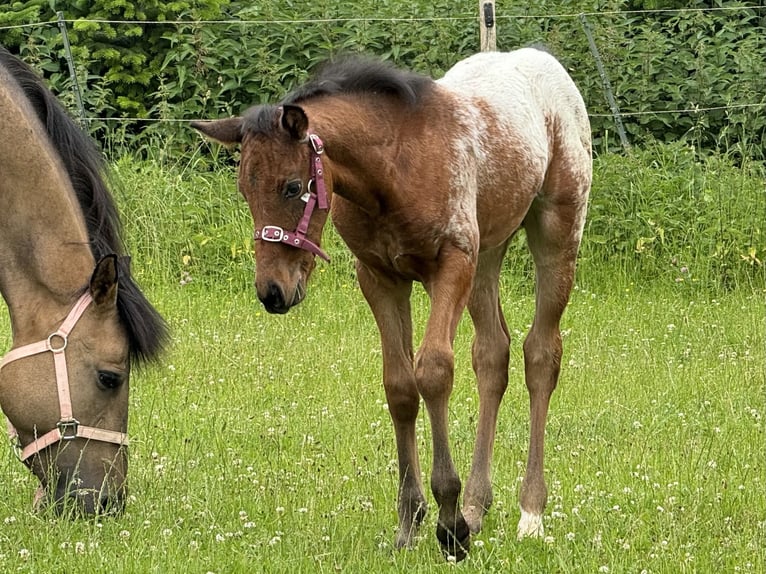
[[312, 198], [68, 428]]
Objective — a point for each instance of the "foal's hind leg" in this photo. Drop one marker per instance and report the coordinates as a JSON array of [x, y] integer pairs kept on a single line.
[[553, 234], [490, 363], [390, 304]]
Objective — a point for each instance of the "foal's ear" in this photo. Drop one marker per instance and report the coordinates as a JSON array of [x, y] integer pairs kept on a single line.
[[103, 282], [295, 121], [227, 131]]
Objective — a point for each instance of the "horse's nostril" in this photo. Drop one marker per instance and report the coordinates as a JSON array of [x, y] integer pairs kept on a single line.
[[274, 299], [111, 505]]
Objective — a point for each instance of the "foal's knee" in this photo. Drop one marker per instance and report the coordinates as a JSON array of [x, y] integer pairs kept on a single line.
[[542, 361], [403, 402], [490, 363], [434, 370]]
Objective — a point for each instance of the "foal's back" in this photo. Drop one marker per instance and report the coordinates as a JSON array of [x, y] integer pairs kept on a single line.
[[521, 129], [528, 90]]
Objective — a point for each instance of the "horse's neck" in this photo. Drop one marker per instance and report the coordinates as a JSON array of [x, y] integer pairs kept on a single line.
[[45, 256]]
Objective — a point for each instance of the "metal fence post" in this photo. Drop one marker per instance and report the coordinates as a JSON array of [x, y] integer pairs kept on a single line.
[[70, 63], [605, 80]]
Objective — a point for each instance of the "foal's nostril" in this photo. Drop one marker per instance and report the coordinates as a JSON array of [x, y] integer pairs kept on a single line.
[[274, 299]]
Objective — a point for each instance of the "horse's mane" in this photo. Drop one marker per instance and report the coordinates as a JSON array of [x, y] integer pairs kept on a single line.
[[360, 74], [348, 74], [89, 174]]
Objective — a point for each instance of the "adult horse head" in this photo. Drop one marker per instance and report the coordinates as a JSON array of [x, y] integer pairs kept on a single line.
[[79, 321], [429, 181]]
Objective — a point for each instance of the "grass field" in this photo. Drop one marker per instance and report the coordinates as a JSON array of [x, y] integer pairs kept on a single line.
[[263, 443]]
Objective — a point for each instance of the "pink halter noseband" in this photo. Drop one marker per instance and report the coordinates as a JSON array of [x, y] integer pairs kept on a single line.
[[298, 237], [68, 428]]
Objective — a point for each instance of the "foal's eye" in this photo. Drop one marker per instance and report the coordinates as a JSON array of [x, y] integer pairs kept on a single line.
[[109, 380], [292, 189]]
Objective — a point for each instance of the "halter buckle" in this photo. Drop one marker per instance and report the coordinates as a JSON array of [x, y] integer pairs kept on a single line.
[[272, 233], [316, 143], [68, 425]]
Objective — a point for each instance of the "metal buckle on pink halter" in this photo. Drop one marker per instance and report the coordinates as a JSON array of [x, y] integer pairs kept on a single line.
[[312, 198], [68, 428]]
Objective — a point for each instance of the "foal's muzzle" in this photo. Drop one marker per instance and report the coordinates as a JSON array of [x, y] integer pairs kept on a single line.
[[274, 299]]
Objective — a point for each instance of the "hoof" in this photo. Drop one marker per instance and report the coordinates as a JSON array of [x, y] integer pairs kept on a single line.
[[454, 543], [530, 525], [474, 515]]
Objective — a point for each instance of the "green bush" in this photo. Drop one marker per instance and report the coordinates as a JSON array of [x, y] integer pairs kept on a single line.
[[667, 213], [664, 214], [657, 62]]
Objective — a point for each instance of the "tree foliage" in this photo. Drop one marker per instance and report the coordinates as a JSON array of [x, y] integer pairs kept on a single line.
[[159, 60]]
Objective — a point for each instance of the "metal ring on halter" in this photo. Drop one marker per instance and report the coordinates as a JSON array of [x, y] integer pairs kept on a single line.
[[49, 342]]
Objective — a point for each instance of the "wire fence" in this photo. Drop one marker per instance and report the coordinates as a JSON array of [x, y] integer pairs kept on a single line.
[[613, 105]]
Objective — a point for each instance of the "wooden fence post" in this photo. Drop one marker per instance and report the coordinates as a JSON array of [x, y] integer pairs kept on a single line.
[[488, 25]]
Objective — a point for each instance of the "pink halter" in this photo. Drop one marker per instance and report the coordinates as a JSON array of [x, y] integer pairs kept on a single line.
[[68, 428], [298, 237]]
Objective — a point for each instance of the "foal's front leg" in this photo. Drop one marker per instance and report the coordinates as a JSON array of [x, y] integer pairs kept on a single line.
[[448, 290], [390, 303]]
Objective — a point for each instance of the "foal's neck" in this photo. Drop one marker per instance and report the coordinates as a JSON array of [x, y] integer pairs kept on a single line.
[[363, 147]]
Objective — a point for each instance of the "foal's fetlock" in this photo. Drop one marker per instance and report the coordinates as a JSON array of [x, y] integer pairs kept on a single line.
[[455, 542], [474, 516], [475, 507], [409, 526]]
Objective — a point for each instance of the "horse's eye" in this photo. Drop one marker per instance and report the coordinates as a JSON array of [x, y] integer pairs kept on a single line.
[[109, 380], [292, 189]]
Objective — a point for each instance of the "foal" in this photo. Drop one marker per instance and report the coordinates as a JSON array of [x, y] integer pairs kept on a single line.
[[428, 181]]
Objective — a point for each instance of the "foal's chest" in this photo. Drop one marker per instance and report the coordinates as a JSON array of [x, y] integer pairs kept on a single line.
[[391, 244]]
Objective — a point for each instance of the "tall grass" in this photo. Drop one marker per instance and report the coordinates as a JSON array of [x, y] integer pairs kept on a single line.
[[263, 444]]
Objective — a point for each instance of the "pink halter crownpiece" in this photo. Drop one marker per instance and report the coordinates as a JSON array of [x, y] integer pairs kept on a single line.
[[68, 428], [312, 198]]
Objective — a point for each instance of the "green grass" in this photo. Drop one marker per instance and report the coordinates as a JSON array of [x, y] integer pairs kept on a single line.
[[263, 443]]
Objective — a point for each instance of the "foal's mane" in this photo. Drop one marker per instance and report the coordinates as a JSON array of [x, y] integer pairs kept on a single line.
[[349, 74], [89, 173]]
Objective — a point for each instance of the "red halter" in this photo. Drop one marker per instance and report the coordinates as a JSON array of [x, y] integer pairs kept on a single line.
[[68, 428], [298, 237]]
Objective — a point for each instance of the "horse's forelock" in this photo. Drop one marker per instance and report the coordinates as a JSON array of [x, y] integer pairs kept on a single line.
[[260, 119]]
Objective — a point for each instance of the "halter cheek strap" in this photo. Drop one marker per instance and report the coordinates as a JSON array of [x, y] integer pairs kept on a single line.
[[313, 198], [68, 428]]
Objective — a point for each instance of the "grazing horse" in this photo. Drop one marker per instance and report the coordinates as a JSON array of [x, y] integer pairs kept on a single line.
[[428, 181], [78, 319]]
